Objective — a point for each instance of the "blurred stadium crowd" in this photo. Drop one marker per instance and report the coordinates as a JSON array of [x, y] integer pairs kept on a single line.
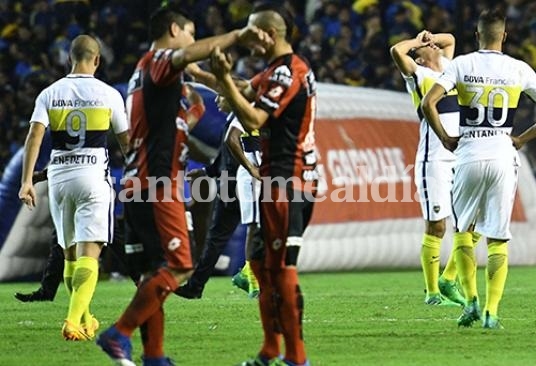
[[346, 41]]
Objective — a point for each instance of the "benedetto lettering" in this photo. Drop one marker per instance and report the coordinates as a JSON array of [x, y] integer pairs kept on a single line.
[[75, 159]]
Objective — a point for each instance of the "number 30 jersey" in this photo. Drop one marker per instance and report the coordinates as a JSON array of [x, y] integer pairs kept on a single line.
[[79, 110], [489, 85]]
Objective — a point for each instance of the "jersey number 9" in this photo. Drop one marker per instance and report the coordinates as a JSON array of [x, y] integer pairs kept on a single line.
[[78, 119]]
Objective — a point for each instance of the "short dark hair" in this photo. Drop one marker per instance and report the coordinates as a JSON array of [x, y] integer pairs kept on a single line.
[[491, 16], [283, 12], [164, 16], [491, 24]]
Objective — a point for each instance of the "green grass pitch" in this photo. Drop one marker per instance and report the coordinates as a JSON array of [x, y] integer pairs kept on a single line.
[[372, 318]]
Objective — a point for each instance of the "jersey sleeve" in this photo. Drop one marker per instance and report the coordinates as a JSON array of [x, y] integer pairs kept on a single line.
[[40, 112], [282, 86], [119, 117], [236, 124], [161, 69], [448, 79], [528, 81]]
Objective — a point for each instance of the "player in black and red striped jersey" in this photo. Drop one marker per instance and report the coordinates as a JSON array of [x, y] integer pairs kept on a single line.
[[154, 211], [284, 111]]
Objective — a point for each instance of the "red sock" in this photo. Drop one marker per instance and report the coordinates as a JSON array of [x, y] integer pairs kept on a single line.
[[152, 335], [148, 299], [268, 312], [291, 314]]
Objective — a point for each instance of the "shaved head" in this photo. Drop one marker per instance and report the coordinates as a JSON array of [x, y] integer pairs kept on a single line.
[[267, 16], [269, 19], [491, 25], [84, 48]]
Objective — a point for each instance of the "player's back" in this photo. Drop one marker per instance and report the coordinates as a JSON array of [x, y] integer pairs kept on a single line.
[[489, 85], [80, 109]]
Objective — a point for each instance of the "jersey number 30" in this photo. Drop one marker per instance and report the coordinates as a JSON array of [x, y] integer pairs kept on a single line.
[[76, 118], [493, 95]]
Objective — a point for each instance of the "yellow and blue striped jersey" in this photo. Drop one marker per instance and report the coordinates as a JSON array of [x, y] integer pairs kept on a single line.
[[79, 110], [489, 85], [418, 84]]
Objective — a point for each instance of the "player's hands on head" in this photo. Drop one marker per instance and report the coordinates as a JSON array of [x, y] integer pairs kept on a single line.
[[27, 195], [220, 63], [426, 38], [254, 38]]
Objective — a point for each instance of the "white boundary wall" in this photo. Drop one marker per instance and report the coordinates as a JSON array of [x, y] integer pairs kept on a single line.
[[394, 243]]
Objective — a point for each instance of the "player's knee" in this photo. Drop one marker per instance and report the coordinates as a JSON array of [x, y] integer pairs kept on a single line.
[[496, 247], [462, 239], [436, 228], [293, 249]]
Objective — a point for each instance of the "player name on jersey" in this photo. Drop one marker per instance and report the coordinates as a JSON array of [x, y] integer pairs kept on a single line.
[[478, 133], [75, 159]]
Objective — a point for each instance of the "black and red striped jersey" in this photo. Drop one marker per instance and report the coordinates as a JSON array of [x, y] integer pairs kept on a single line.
[[286, 90], [158, 133]]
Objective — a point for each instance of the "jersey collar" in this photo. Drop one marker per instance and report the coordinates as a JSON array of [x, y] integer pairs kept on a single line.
[[80, 76], [490, 51]]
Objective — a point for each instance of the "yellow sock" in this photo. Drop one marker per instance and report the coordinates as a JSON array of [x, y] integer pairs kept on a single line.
[[84, 282], [496, 273], [476, 238], [430, 262], [466, 263], [68, 270]]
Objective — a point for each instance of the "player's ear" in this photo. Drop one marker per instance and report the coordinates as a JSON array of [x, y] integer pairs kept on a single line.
[[477, 36], [504, 37], [174, 29], [96, 61]]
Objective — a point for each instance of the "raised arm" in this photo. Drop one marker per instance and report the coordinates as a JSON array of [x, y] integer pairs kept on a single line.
[[249, 36], [400, 54], [446, 42], [250, 117]]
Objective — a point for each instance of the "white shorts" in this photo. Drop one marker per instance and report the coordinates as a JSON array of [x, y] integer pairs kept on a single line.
[[434, 183], [483, 193], [248, 191], [82, 210]]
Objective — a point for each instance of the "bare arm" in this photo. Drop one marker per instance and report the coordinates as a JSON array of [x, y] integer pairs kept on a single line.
[[525, 137], [429, 108], [250, 117], [446, 42], [399, 54], [202, 76], [249, 36], [31, 152], [123, 139], [235, 146]]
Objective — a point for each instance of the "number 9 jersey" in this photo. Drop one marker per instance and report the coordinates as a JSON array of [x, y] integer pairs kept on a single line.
[[489, 85], [79, 110]]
